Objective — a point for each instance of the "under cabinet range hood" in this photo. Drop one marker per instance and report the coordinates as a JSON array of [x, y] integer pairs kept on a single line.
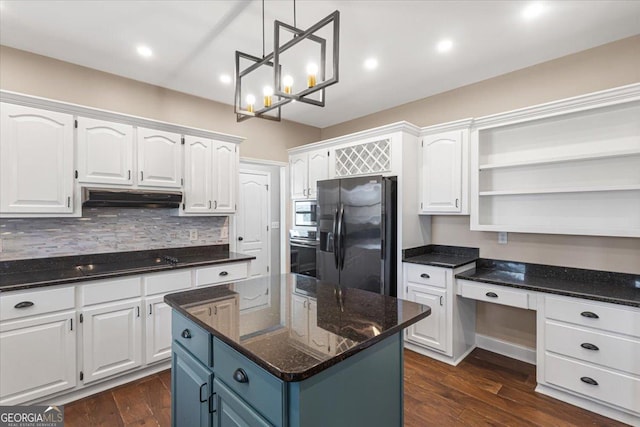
[[100, 197]]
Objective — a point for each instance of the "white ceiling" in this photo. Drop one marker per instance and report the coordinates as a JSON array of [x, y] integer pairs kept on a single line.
[[194, 42]]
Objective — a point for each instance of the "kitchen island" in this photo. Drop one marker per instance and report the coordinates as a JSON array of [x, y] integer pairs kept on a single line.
[[313, 355]]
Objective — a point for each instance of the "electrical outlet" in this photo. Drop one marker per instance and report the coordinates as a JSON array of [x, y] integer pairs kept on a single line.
[[193, 234], [502, 237], [275, 225]]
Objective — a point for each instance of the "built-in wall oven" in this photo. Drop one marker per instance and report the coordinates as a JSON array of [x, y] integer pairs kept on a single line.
[[305, 213], [303, 245]]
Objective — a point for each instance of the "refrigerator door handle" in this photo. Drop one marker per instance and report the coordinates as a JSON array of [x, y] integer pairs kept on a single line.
[[341, 234], [336, 237]]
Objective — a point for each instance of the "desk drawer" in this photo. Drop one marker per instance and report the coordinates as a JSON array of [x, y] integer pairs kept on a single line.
[[192, 337], [493, 293], [14, 305], [262, 391], [427, 275], [223, 273], [592, 346], [607, 317], [614, 388]]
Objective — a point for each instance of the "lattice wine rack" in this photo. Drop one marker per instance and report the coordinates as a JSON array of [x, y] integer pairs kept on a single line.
[[370, 157]]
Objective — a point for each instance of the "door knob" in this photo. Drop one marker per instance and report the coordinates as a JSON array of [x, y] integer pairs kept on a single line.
[[241, 238]]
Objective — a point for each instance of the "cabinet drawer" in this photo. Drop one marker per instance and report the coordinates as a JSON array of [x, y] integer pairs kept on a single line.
[[223, 273], [608, 317], [427, 275], [30, 303], [192, 337], [262, 391], [592, 346], [110, 290], [162, 283], [493, 293], [614, 388]]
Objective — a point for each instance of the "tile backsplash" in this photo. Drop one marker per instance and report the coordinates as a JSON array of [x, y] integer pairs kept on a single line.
[[107, 230]]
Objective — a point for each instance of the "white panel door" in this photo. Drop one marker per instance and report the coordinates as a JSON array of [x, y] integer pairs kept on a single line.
[[105, 152], [225, 176], [442, 172], [298, 169], [432, 331], [36, 160], [37, 357], [253, 219], [318, 337], [159, 158], [112, 339], [198, 197], [318, 170], [300, 318], [158, 329]]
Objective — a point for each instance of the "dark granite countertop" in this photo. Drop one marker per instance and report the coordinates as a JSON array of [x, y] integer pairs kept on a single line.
[[617, 288], [353, 319], [441, 256], [32, 273]]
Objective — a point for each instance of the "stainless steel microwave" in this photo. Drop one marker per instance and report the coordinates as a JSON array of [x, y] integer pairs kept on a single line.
[[305, 213]]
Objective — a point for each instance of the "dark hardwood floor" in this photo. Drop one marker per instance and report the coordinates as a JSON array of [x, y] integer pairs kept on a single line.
[[486, 389]]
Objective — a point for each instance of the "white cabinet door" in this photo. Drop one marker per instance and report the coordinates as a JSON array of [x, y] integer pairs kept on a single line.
[[300, 318], [442, 172], [36, 160], [112, 337], [432, 331], [318, 337], [105, 152], [158, 329], [298, 168], [159, 158], [226, 317], [225, 176], [37, 357], [318, 170], [198, 175]]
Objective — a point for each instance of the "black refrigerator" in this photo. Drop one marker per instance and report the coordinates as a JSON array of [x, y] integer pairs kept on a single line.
[[357, 232]]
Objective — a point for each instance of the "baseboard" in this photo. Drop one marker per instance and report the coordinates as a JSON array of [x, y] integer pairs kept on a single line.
[[436, 355], [505, 348]]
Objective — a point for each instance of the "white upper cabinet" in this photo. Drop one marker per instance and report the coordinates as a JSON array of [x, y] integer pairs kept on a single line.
[[211, 176], [306, 170], [36, 161], [444, 169], [159, 158], [105, 152], [225, 176]]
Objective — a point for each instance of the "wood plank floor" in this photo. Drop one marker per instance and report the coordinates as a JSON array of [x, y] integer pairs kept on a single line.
[[486, 389]]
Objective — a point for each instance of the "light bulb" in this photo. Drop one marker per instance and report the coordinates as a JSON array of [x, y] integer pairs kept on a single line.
[[312, 71], [287, 82], [267, 91], [251, 100]]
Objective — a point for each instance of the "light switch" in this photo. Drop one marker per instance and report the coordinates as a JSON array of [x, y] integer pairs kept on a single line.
[[275, 225], [502, 237]]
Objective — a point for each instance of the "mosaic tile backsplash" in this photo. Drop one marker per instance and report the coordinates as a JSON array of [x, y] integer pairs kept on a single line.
[[107, 230]]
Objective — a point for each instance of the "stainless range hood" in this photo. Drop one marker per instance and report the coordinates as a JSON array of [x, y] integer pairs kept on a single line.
[[100, 197]]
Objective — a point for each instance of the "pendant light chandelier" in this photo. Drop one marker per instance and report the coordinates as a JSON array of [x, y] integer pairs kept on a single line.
[[273, 71]]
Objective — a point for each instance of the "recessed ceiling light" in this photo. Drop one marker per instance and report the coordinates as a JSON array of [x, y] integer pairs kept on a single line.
[[144, 51], [371, 64], [444, 45], [225, 78], [532, 11]]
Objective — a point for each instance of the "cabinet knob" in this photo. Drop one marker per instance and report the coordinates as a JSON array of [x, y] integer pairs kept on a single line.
[[186, 334], [425, 276], [491, 295], [589, 314], [589, 380], [241, 376], [589, 346], [240, 238], [23, 304]]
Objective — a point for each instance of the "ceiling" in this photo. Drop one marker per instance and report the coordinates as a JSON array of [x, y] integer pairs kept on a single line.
[[193, 42]]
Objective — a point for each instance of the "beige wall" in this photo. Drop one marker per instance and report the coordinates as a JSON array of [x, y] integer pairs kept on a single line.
[[37, 75], [603, 67]]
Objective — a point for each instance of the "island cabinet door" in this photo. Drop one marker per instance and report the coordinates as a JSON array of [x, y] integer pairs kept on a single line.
[[231, 411], [191, 390]]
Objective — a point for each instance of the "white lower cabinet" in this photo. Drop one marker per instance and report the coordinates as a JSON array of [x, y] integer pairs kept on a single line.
[[37, 357], [433, 331], [112, 339], [158, 329]]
